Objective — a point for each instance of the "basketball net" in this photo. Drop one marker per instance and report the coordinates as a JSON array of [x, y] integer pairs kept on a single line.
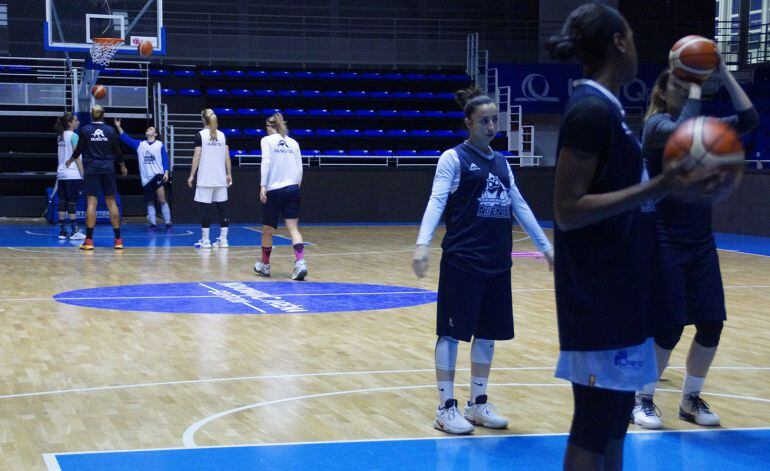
[[104, 49]]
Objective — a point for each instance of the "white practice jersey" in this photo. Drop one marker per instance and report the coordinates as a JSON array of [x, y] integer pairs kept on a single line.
[[150, 160], [212, 170], [281, 162], [65, 152]]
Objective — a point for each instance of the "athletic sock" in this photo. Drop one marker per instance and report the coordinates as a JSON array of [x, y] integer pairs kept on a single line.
[[205, 233], [223, 233], [61, 224], [73, 226], [478, 387], [266, 251], [692, 385], [151, 214], [445, 391], [89, 233], [299, 251], [117, 232], [166, 210]]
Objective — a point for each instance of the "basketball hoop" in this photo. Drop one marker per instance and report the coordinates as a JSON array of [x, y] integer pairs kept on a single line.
[[103, 49]]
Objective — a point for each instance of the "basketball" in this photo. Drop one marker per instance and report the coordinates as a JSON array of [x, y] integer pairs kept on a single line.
[[707, 144], [694, 58], [98, 92], [145, 48]]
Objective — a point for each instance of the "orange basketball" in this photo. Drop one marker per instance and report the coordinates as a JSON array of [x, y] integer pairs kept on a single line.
[[145, 48], [98, 92], [693, 58], [707, 144]]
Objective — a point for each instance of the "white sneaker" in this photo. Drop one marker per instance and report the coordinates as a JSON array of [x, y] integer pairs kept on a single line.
[[203, 244], [262, 269], [484, 414], [449, 420], [78, 236], [300, 270], [221, 243], [646, 414], [696, 410]]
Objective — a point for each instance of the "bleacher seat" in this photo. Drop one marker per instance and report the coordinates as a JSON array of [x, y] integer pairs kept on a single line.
[[224, 111], [430, 153], [235, 73], [365, 113], [414, 76], [333, 152], [190, 92], [236, 153], [382, 153], [232, 132], [241, 92], [356, 94], [311, 93], [318, 112], [280, 74], [333, 93], [422, 95], [411, 113], [184, 73], [326, 132], [420, 133], [358, 152], [295, 112], [388, 113], [342, 113], [405, 153], [350, 132], [444, 96], [443, 133], [397, 133], [259, 74], [374, 132], [304, 74], [379, 94], [270, 111], [454, 114], [401, 94], [159, 73], [312, 152], [254, 132], [432, 114], [371, 75], [217, 92], [392, 76], [288, 93], [303, 132], [248, 112], [167, 92], [326, 75], [264, 92], [347, 75]]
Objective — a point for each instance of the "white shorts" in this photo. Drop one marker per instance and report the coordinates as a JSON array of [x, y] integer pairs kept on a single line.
[[211, 194]]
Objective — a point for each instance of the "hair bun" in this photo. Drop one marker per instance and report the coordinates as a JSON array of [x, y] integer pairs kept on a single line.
[[561, 47], [462, 97]]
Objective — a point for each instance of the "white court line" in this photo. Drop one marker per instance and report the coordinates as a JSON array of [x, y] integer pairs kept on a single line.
[[144, 236], [188, 438], [215, 290], [123, 298], [51, 462]]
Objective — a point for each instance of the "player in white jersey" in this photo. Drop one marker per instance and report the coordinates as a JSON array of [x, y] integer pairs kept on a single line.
[[153, 168], [212, 162], [69, 180], [281, 177]]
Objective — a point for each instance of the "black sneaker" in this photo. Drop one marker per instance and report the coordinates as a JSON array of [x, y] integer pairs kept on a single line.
[[63, 235]]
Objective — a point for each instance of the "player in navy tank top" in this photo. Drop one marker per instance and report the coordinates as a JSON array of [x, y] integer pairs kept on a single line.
[[603, 238], [474, 189], [691, 280]]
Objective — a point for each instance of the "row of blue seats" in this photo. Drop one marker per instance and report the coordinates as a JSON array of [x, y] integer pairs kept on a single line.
[[244, 92], [322, 112], [357, 153], [394, 133], [307, 74]]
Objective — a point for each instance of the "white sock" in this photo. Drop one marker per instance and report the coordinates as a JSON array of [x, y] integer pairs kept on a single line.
[[223, 233], [648, 390], [205, 233], [166, 210], [692, 385], [445, 391], [151, 214], [446, 358], [478, 387]]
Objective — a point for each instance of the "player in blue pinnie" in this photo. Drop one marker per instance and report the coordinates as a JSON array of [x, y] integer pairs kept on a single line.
[[153, 168]]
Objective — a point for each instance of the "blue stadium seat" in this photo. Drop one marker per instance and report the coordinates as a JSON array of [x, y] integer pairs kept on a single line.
[[420, 133], [224, 111], [294, 112], [270, 111], [319, 112], [433, 114], [454, 114], [167, 92], [231, 132], [397, 133], [356, 94], [241, 92], [379, 94], [365, 113], [350, 132], [311, 152], [248, 112], [414, 76], [288, 93], [305, 74], [264, 92], [235, 73], [374, 132], [459, 77], [280, 74], [217, 92], [258, 74], [130, 73], [370, 75], [342, 113], [462, 134], [255, 152], [105, 72], [334, 93], [437, 77], [401, 94], [184, 73], [311, 93], [387, 113], [359, 152], [326, 75], [443, 133], [190, 92], [302, 132], [211, 73], [333, 152], [430, 153], [348, 75], [325, 132], [254, 132], [236, 153], [411, 113], [392, 76], [507, 153], [159, 73], [405, 153], [382, 153]]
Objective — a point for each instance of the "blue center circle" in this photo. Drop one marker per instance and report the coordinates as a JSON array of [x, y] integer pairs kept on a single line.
[[247, 297]]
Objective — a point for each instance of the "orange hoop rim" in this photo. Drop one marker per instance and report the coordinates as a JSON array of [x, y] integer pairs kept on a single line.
[[108, 41]]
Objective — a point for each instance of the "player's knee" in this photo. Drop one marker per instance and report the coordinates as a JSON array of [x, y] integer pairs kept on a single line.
[[707, 334], [668, 337], [71, 207], [482, 351], [62, 205], [224, 222], [267, 230]]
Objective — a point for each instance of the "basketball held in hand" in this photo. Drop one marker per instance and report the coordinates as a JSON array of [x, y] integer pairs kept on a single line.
[[707, 146], [694, 58]]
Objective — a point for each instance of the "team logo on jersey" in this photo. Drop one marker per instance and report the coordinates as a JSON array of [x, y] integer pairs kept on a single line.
[[474, 167], [282, 148], [495, 202], [98, 136], [149, 157]]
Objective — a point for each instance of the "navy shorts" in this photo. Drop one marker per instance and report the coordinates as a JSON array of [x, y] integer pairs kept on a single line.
[[474, 305], [691, 285], [100, 183], [284, 201], [151, 188], [70, 190]]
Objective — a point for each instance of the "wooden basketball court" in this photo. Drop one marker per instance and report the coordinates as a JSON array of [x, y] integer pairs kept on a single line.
[[100, 378]]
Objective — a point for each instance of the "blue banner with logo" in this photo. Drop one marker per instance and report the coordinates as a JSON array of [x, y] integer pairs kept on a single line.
[[545, 88]]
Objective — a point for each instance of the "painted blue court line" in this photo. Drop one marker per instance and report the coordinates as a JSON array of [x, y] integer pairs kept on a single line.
[[134, 235], [745, 449]]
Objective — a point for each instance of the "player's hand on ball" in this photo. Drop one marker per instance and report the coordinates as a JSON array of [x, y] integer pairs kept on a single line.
[[420, 261]]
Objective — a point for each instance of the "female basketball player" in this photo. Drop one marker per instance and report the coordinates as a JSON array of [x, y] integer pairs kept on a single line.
[[212, 156], [281, 177], [153, 168], [692, 282], [604, 236], [69, 180], [476, 186]]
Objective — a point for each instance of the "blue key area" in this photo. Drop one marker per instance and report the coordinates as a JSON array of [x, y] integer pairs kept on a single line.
[[721, 449], [247, 297], [134, 235]]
